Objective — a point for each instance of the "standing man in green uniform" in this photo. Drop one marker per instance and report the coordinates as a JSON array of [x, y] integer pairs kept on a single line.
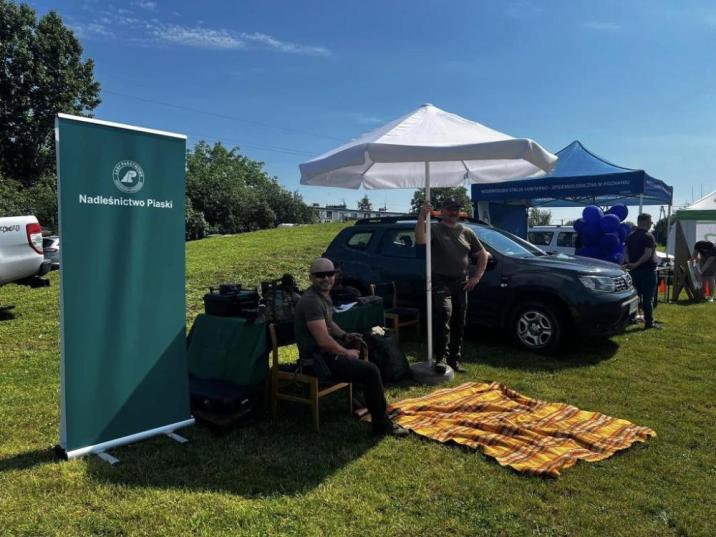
[[452, 247]]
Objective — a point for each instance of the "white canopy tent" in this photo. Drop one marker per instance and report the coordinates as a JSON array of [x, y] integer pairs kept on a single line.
[[427, 147], [697, 221]]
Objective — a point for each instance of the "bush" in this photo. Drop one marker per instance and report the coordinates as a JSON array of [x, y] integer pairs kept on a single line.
[[13, 200], [235, 194], [195, 224], [43, 199], [40, 200]]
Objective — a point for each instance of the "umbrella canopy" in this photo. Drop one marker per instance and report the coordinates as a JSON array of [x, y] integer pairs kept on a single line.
[[394, 156], [428, 147]]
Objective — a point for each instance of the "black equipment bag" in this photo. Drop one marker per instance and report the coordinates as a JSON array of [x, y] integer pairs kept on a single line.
[[230, 300], [221, 404], [345, 295], [384, 352], [280, 298], [219, 396]]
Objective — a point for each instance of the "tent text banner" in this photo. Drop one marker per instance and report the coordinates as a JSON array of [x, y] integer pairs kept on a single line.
[[121, 206]]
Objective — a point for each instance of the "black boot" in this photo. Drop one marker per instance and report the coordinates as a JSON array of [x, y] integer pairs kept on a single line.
[[385, 427], [455, 364]]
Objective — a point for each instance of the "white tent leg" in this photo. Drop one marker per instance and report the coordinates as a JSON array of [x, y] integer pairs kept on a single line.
[[668, 231], [428, 270]]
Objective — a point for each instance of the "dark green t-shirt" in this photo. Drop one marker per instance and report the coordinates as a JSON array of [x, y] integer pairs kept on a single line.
[[451, 249], [636, 243], [312, 307]]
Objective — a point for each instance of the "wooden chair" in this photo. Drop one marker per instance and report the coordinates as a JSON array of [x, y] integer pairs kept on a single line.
[[290, 375], [398, 315]]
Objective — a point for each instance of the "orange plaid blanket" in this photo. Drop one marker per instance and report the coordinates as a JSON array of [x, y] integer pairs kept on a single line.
[[526, 434]]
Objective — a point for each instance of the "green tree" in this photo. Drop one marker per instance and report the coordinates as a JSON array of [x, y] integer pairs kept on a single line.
[[661, 229], [235, 194], [538, 217], [42, 197], [13, 199], [195, 225], [42, 74], [364, 204], [438, 195]]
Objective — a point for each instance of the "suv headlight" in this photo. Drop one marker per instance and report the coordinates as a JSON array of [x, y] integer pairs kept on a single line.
[[598, 283]]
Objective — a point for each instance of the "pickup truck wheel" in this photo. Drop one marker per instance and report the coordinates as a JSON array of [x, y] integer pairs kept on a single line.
[[538, 327]]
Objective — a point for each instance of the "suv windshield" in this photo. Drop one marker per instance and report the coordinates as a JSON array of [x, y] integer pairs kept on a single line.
[[505, 243]]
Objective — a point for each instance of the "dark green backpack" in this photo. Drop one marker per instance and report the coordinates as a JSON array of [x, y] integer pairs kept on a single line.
[[385, 352]]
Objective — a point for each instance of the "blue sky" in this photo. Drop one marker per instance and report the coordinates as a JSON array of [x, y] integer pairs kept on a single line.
[[285, 81]]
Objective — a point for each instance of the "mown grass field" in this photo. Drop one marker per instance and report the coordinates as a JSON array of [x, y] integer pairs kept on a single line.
[[280, 478]]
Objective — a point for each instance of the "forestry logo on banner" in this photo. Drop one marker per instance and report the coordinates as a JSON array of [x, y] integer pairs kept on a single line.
[[128, 176]]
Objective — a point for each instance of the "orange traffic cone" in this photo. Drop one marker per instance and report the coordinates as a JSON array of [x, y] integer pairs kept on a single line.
[[662, 285]]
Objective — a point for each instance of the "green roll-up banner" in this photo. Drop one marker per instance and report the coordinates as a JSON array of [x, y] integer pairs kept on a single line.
[[121, 207]]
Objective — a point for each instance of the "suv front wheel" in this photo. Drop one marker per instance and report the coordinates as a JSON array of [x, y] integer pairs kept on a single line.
[[537, 327]]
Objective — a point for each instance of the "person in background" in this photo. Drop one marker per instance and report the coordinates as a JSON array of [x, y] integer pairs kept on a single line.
[[452, 247], [705, 254], [639, 249], [324, 348]]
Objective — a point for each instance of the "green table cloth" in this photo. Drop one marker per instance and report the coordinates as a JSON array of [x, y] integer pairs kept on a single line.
[[228, 348], [360, 318], [234, 350]]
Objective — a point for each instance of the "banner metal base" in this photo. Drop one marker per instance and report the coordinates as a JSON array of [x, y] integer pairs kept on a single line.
[[178, 438], [100, 449], [106, 457]]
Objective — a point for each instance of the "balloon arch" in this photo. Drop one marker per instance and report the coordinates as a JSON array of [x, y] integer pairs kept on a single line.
[[602, 235]]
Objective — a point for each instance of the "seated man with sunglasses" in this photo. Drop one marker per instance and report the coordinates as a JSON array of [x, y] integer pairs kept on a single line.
[[323, 346]]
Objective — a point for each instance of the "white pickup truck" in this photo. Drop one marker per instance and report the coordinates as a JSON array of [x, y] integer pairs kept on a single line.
[[21, 257]]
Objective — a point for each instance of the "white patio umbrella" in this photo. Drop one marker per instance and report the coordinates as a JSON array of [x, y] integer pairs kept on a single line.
[[427, 147]]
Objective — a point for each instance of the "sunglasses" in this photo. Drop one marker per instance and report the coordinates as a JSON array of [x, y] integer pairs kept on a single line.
[[327, 274]]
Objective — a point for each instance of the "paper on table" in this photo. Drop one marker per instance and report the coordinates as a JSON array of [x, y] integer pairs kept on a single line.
[[344, 307]]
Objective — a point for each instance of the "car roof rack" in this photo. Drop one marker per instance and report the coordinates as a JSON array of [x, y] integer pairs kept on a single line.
[[409, 218]]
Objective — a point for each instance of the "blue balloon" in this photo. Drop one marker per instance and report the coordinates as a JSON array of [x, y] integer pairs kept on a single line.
[[609, 223], [626, 228], [578, 225], [620, 211], [591, 234], [609, 242], [592, 214], [622, 232], [589, 251]]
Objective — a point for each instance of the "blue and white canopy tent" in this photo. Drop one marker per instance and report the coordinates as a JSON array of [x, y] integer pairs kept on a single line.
[[579, 178]]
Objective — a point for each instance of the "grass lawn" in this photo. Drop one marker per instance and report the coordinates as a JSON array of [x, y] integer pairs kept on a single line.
[[280, 478]]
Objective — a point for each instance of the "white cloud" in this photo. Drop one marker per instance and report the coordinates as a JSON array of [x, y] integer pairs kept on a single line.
[[143, 4], [710, 19], [152, 31], [368, 120], [601, 26], [197, 37], [523, 9], [285, 46], [91, 30]]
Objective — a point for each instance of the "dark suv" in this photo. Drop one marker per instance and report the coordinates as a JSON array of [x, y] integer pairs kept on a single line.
[[539, 299]]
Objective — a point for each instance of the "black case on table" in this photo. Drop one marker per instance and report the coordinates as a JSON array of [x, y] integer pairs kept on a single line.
[[230, 300]]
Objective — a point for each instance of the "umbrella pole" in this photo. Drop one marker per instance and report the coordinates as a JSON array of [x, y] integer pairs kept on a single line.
[[423, 372], [428, 270]]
